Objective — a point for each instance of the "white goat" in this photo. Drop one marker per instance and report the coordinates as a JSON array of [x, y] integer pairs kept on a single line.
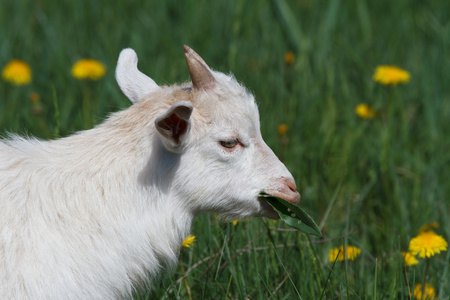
[[90, 215]]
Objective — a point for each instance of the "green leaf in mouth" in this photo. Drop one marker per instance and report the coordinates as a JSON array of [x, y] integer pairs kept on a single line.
[[292, 215]]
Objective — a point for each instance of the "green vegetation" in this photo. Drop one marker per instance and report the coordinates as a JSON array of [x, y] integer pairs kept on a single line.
[[293, 215], [369, 182]]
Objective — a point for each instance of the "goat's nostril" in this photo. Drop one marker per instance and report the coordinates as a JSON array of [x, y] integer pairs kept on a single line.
[[291, 185], [285, 188]]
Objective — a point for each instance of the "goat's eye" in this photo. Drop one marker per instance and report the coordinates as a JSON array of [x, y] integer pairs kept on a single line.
[[229, 144]]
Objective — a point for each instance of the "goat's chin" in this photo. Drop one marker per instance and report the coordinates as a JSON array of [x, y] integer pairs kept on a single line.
[[263, 211]]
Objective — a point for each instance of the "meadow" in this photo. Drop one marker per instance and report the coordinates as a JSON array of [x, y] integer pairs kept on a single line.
[[370, 180]]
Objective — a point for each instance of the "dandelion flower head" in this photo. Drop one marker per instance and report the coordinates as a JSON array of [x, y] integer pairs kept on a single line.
[[235, 222], [282, 129], [289, 58], [88, 69], [365, 111], [427, 244], [350, 253], [429, 292], [188, 241], [409, 259], [17, 72], [34, 97], [390, 75]]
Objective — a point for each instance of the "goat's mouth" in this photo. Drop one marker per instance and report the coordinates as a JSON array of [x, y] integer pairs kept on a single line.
[[268, 211], [291, 214], [290, 195]]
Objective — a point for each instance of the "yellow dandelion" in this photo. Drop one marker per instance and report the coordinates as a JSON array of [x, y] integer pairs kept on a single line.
[[189, 241], [36, 105], [350, 254], [34, 97], [429, 227], [282, 129], [88, 69], [289, 58], [427, 244], [334, 253], [390, 75], [409, 259], [17, 72], [236, 221], [365, 111], [429, 292]]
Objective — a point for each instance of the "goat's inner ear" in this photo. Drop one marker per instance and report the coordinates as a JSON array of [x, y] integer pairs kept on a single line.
[[173, 127], [174, 123]]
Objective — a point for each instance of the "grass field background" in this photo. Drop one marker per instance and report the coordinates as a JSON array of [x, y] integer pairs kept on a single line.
[[370, 183]]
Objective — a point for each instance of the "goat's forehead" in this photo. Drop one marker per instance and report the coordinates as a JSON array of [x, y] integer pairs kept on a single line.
[[235, 97], [229, 106], [237, 115]]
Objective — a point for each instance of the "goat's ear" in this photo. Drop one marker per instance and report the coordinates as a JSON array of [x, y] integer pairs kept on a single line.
[[174, 124], [132, 82]]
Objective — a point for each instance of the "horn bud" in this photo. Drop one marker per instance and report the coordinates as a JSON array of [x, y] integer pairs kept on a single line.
[[201, 75]]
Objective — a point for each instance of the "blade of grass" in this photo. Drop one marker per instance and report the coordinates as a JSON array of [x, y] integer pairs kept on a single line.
[[375, 281], [329, 206], [329, 274], [287, 273], [293, 30], [56, 115]]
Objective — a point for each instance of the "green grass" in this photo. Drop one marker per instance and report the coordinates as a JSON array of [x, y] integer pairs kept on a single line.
[[369, 183]]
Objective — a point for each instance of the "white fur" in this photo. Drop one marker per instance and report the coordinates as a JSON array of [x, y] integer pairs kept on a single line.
[[132, 82], [90, 215]]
